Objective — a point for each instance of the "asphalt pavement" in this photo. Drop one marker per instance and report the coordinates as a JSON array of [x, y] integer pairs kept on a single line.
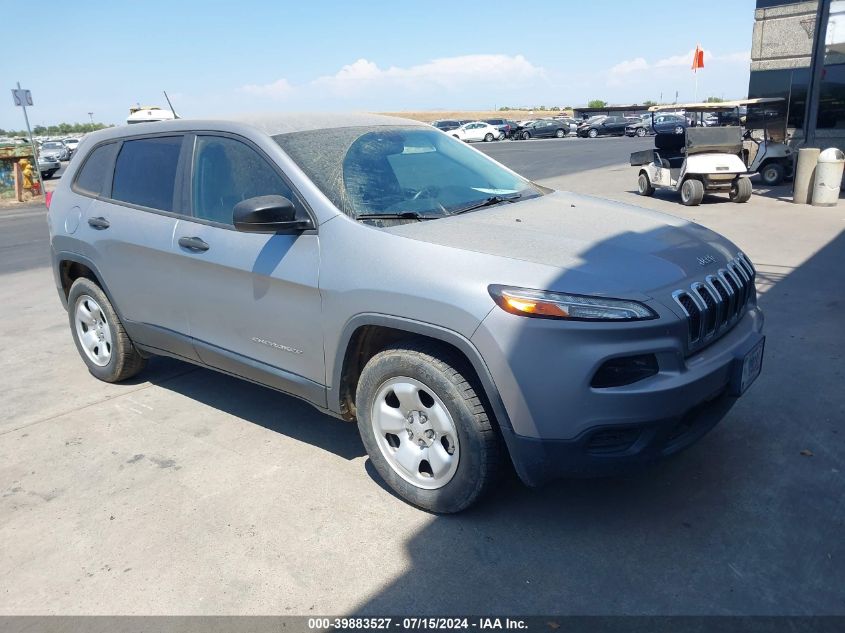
[[185, 491]]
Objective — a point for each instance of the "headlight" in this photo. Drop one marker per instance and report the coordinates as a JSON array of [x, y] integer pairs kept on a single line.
[[558, 305]]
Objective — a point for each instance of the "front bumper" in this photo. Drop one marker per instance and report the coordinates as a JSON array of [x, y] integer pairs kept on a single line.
[[559, 425]]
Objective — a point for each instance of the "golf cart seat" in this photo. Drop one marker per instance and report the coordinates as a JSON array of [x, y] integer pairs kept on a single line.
[[671, 148], [722, 140]]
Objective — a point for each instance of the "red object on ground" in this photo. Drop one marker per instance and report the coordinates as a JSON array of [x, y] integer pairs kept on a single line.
[[48, 197]]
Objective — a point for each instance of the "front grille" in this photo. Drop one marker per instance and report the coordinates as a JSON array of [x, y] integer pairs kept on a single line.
[[714, 305]]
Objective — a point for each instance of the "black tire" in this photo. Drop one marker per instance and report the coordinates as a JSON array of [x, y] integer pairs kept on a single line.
[[679, 129], [644, 185], [741, 190], [526, 136], [692, 192], [641, 132], [125, 360], [560, 133], [488, 137], [441, 371], [772, 174], [593, 133]]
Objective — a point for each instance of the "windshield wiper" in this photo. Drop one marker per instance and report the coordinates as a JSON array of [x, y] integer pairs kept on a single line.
[[404, 215], [487, 202]]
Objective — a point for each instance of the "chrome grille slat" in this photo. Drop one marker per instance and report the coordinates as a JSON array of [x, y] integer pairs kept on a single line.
[[714, 305]]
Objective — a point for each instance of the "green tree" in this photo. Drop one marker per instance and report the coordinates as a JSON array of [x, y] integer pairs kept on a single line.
[[649, 102], [714, 100], [596, 103]]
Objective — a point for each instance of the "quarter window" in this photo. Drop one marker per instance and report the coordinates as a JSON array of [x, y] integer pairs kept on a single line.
[[226, 172], [92, 177], [145, 172]]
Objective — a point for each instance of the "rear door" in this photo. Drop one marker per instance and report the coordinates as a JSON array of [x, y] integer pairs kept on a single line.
[[252, 298], [129, 229]]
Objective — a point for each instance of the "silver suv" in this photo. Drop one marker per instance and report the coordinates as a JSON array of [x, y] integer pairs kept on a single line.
[[390, 274]]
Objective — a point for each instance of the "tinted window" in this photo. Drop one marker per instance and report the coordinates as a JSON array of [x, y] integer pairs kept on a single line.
[[226, 172], [92, 178], [145, 172]]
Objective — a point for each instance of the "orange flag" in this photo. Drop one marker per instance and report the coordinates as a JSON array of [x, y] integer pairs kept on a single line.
[[698, 58]]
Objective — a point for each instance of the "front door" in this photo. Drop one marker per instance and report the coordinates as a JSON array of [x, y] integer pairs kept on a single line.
[[253, 300]]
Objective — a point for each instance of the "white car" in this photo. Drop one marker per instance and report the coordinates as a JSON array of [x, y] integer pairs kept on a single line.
[[71, 144], [476, 131]]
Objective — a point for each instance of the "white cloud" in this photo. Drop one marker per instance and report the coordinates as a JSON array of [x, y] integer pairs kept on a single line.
[[438, 76], [629, 66], [278, 89]]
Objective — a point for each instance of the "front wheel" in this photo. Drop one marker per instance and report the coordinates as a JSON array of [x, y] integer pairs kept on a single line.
[[641, 132], [560, 133], [425, 428], [593, 133], [772, 174], [526, 136], [103, 344], [644, 185], [488, 137], [501, 136], [692, 192], [740, 190], [679, 129]]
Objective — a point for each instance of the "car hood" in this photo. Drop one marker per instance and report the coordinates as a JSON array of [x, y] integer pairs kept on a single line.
[[596, 244]]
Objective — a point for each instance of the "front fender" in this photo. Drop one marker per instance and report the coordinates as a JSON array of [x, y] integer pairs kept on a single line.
[[460, 342]]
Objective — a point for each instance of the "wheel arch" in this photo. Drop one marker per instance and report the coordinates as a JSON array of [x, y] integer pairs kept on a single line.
[[365, 335], [70, 267]]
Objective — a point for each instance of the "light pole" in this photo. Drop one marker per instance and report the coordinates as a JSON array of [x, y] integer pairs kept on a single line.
[[91, 116]]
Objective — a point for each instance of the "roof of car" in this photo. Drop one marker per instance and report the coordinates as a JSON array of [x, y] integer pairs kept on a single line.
[[270, 123]]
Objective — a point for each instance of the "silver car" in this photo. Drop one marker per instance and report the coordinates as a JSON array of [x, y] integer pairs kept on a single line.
[[389, 274]]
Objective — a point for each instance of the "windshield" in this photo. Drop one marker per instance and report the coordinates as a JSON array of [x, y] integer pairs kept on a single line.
[[52, 146], [387, 170]]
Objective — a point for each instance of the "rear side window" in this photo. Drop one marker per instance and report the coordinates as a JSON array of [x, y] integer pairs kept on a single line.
[[145, 172], [92, 178]]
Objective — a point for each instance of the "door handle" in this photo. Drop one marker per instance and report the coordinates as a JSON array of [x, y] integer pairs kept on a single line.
[[98, 223], [193, 244]]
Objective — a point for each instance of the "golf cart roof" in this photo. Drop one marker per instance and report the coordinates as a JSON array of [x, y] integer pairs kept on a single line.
[[713, 107]]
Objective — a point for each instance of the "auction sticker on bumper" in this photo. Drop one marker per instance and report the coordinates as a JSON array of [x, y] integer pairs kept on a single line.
[[751, 366]]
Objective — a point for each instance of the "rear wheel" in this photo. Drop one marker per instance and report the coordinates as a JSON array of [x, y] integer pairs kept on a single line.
[[103, 344], [501, 136], [640, 131], [692, 192], [741, 190], [488, 137], [679, 129], [644, 185], [425, 428], [593, 133], [772, 174]]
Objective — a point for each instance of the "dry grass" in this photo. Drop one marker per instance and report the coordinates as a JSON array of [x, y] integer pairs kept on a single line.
[[514, 115]]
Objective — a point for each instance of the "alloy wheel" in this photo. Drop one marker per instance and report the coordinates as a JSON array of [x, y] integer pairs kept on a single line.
[[93, 331]]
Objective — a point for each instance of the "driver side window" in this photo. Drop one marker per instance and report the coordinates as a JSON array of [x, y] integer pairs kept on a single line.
[[227, 171]]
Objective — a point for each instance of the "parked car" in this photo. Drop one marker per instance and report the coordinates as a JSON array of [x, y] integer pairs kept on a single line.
[[48, 166], [573, 123], [606, 126], [544, 128], [446, 125], [505, 126], [56, 149], [446, 347], [71, 144], [477, 131], [663, 123]]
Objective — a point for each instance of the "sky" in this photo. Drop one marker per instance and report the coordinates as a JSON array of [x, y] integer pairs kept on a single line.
[[219, 58]]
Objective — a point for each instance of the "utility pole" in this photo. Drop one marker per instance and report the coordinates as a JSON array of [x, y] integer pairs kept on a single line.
[[91, 116]]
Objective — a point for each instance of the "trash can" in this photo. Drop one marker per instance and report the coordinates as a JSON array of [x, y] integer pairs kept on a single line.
[[828, 177]]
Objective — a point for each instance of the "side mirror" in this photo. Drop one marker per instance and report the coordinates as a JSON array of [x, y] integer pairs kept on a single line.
[[269, 214]]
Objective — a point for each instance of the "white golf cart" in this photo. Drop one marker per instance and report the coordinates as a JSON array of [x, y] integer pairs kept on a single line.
[[700, 160], [765, 149]]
